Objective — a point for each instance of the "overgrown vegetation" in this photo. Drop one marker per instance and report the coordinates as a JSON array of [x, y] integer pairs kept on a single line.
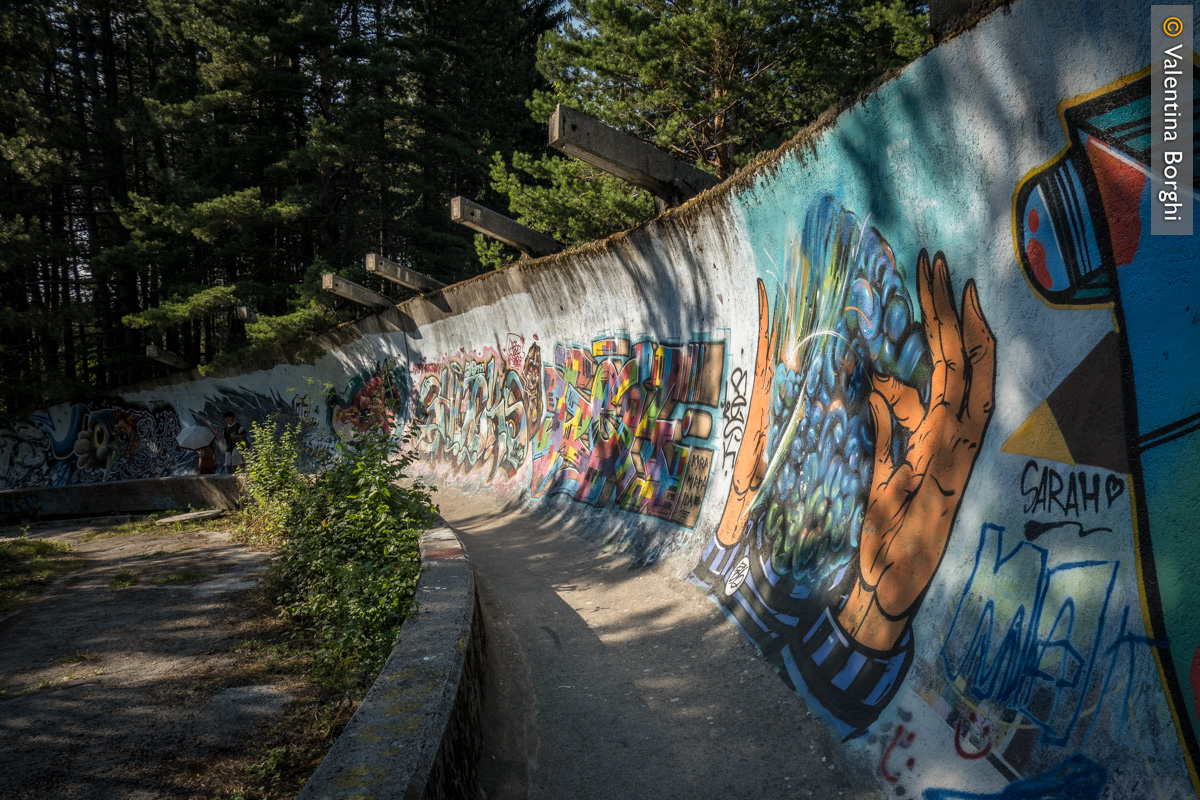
[[28, 565], [347, 535], [149, 525]]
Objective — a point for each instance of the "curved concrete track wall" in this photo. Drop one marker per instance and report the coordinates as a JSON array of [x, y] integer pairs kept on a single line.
[[949, 497]]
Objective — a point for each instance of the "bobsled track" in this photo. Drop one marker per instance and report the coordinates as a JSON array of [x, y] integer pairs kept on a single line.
[[913, 402]]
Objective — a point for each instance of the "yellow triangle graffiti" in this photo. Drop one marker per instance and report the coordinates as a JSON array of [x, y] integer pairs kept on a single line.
[[1039, 436]]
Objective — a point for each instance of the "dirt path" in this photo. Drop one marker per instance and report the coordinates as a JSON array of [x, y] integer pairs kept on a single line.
[[133, 693], [618, 682]]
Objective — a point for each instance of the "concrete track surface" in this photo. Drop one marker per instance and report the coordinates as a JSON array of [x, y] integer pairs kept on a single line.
[[612, 682], [123, 694]]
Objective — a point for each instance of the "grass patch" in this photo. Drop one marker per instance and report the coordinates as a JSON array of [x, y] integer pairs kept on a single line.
[[149, 525], [29, 565], [267, 771], [74, 658], [130, 528], [189, 575], [123, 580]]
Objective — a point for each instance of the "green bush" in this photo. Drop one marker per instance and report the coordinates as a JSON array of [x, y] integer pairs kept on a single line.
[[347, 534], [273, 480]]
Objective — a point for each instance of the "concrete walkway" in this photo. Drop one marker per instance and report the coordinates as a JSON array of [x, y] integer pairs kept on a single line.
[[137, 693], [611, 682]]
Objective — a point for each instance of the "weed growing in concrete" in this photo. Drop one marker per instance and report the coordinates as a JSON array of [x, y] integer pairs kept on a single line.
[[267, 770], [123, 580]]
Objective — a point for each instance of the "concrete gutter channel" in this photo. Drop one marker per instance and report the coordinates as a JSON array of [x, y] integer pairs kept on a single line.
[[417, 732]]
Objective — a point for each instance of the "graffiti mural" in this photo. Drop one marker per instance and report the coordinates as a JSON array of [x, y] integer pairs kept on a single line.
[[247, 407], [617, 423], [1133, 404], [472, 414], [862, 429], [375, 396], [1047, 646], [88, 443], [624, 424], [25, 460]]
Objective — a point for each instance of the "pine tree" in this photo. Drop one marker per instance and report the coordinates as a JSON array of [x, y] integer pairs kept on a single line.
[[713, 82], [168, 160]]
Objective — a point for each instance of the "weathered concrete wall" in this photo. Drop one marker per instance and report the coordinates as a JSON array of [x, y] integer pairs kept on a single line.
[[948, 496], [417, 732], [141, 496]]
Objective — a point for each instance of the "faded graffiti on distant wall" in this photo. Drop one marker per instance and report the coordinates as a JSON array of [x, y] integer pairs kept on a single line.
[[861, 432], [619, 422], [86, 443]]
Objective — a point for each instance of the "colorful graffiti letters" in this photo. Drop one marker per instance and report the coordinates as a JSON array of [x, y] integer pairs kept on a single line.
[[471, 413], [617, 423], [623, 423]]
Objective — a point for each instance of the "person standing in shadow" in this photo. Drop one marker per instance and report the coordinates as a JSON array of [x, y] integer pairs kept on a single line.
[[235, 434]]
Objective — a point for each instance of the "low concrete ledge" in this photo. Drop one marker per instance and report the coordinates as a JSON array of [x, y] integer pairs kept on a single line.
[[417, 732], [143, 496]]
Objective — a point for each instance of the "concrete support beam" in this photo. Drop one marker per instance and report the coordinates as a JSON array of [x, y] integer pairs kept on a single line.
[[352, 291], [627, 157], [166, 357], [378, 265], [483, 219]]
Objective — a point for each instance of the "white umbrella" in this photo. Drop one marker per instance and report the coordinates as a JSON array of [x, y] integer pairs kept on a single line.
[[193, 437]]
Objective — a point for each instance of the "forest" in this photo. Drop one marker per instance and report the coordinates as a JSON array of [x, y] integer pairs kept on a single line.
[[169, 162]]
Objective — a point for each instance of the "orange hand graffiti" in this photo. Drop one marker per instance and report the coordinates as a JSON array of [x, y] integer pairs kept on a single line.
[[913, 500], [914, 496]]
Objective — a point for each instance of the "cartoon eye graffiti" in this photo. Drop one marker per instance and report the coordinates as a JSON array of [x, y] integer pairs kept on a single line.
[[99, 436]]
